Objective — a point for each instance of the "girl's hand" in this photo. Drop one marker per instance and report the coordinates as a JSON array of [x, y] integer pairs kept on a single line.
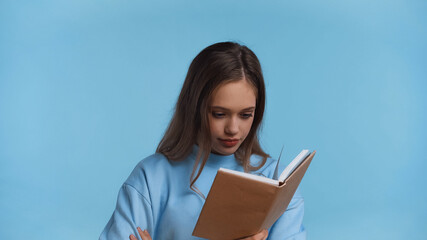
[[259, 236], [143, 234]]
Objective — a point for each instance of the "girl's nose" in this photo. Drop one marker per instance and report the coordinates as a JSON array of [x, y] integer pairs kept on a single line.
[[232, 127]]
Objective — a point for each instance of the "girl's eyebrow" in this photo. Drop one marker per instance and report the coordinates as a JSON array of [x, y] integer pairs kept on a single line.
[[226, 109]]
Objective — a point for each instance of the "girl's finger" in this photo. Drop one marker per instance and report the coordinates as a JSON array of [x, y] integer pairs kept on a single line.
[[132, 237], [144, 234], [266, 235], [262, 235], [141, 233], [148, 235]]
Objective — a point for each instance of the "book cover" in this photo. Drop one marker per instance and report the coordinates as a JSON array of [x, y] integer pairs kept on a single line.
[[238, 206]]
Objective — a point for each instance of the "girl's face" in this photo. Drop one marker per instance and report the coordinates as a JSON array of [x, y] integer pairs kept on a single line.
[[231, 114]]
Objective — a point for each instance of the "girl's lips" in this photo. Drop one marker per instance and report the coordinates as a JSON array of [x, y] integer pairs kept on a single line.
[[229, 142]]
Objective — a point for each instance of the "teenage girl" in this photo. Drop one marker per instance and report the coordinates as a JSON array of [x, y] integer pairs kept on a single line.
[[215, 124]]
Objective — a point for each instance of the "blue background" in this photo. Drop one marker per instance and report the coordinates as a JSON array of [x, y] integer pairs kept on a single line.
[[88, 87]]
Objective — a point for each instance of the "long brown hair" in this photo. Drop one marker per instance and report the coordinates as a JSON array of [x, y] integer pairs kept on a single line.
[[213, 66]]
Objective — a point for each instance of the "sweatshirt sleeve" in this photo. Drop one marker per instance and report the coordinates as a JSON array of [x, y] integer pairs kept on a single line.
[[289, 226], [132, 210]]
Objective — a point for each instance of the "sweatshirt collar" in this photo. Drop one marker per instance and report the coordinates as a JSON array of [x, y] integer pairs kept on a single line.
[[217, 160]]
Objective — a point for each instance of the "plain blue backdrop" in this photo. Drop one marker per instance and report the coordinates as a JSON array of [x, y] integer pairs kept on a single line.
[[87, 89]]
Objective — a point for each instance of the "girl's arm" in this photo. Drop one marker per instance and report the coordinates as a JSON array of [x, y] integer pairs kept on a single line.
[[132, 210], [289, 226]]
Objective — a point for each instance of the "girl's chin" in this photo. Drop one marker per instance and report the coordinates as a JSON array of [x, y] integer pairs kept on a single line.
[[224, 150]]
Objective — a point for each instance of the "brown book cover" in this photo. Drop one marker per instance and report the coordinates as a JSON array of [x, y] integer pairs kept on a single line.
[[237, 207]]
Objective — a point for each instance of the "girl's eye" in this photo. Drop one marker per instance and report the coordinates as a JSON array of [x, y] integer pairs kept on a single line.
[[218, 114], [246, 115]]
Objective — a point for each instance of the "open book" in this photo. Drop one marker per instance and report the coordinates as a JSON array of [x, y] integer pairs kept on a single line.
[[242, 204]]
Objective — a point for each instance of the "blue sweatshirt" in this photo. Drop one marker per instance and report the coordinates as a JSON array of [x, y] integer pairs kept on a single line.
[[157, 197]]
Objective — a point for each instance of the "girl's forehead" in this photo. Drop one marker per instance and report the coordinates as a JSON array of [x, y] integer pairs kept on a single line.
[[234, 95]]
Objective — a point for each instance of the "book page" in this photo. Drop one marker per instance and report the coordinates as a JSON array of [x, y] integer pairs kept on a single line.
[[251, 176], [294, 164]]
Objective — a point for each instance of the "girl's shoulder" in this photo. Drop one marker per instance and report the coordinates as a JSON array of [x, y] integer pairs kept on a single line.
[[156, 160], [153, 165]]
